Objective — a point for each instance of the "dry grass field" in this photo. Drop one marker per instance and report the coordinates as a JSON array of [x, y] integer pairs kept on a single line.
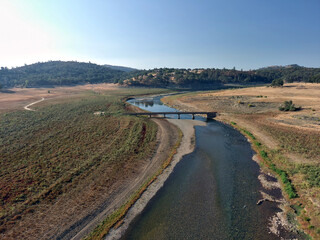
[[16, 98], [292, 139], [61, 165]]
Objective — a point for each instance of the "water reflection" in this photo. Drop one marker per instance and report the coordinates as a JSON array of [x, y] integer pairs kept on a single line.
[[211, 194]]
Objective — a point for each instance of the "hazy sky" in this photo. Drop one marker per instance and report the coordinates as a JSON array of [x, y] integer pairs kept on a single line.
[[145, 34]]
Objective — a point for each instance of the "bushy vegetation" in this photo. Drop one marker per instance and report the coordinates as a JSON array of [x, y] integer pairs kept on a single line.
[[289, 106], [288, 187], [209, 78]]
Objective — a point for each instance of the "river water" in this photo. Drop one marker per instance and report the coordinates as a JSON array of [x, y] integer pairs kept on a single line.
[[212, 192]]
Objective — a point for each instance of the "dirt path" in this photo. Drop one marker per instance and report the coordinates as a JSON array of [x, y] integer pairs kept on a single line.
[[29, 109], [166, 137]]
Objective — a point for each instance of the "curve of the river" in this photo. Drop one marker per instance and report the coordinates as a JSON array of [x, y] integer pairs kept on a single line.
[[211, 194]]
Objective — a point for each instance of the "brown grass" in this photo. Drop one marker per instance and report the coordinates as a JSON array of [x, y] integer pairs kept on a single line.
[[61, 162], [17, 98], [293, 137]]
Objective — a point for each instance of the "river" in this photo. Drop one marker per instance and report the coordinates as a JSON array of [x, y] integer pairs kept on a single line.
[[212, 192]]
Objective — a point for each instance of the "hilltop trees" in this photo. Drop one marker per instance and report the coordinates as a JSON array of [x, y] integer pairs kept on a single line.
[[59, 73], [69, 73]]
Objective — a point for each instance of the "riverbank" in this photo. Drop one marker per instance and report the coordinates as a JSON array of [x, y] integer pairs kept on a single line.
[[186, 146], [256, 111], [63, 166]]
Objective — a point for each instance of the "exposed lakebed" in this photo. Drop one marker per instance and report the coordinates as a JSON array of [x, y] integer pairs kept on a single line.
[[212, 192]]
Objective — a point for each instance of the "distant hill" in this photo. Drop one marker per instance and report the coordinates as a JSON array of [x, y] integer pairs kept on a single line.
[[279, 66], [70, 73], [209, 78], [121, 68], [59, 73]]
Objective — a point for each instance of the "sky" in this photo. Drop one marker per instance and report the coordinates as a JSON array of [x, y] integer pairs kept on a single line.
[[144, 34]]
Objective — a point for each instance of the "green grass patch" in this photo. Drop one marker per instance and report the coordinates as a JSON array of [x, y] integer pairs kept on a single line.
[[249, 134], [297, 208]]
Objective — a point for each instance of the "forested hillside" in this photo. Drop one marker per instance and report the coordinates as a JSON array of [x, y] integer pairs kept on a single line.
[[69, 73], [58, 73], [202, 78]]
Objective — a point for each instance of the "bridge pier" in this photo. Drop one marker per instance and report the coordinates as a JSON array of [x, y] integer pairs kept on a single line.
[[211, 115], [178, 116], [193, 116]]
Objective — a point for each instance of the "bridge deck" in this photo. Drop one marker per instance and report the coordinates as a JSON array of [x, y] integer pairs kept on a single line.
[[209, 114], [157, 113]]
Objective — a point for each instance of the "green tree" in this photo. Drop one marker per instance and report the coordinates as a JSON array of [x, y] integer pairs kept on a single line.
[[277, 83], [26, 83], [289, 106]]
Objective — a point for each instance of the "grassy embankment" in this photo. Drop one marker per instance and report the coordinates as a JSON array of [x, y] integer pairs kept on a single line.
[[116, 218], [300, 179], [272, 159], [63, 151]]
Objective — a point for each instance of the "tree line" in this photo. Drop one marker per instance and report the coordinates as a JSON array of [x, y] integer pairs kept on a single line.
[[169, 77], [70, 73], [58, 73]]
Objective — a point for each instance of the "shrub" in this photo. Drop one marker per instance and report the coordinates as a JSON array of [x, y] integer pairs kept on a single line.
[[257, 144], [249, 134], [307, 219], [288, 106]]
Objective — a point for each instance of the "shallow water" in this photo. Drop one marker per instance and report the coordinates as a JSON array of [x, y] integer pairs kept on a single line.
[[211, 194]]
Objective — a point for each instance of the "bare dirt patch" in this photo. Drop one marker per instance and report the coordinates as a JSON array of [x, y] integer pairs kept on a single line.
[[17, 98], [92, 180]]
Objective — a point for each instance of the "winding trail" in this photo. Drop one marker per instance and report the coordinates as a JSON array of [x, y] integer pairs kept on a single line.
[[29, 109], [166, 138]]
